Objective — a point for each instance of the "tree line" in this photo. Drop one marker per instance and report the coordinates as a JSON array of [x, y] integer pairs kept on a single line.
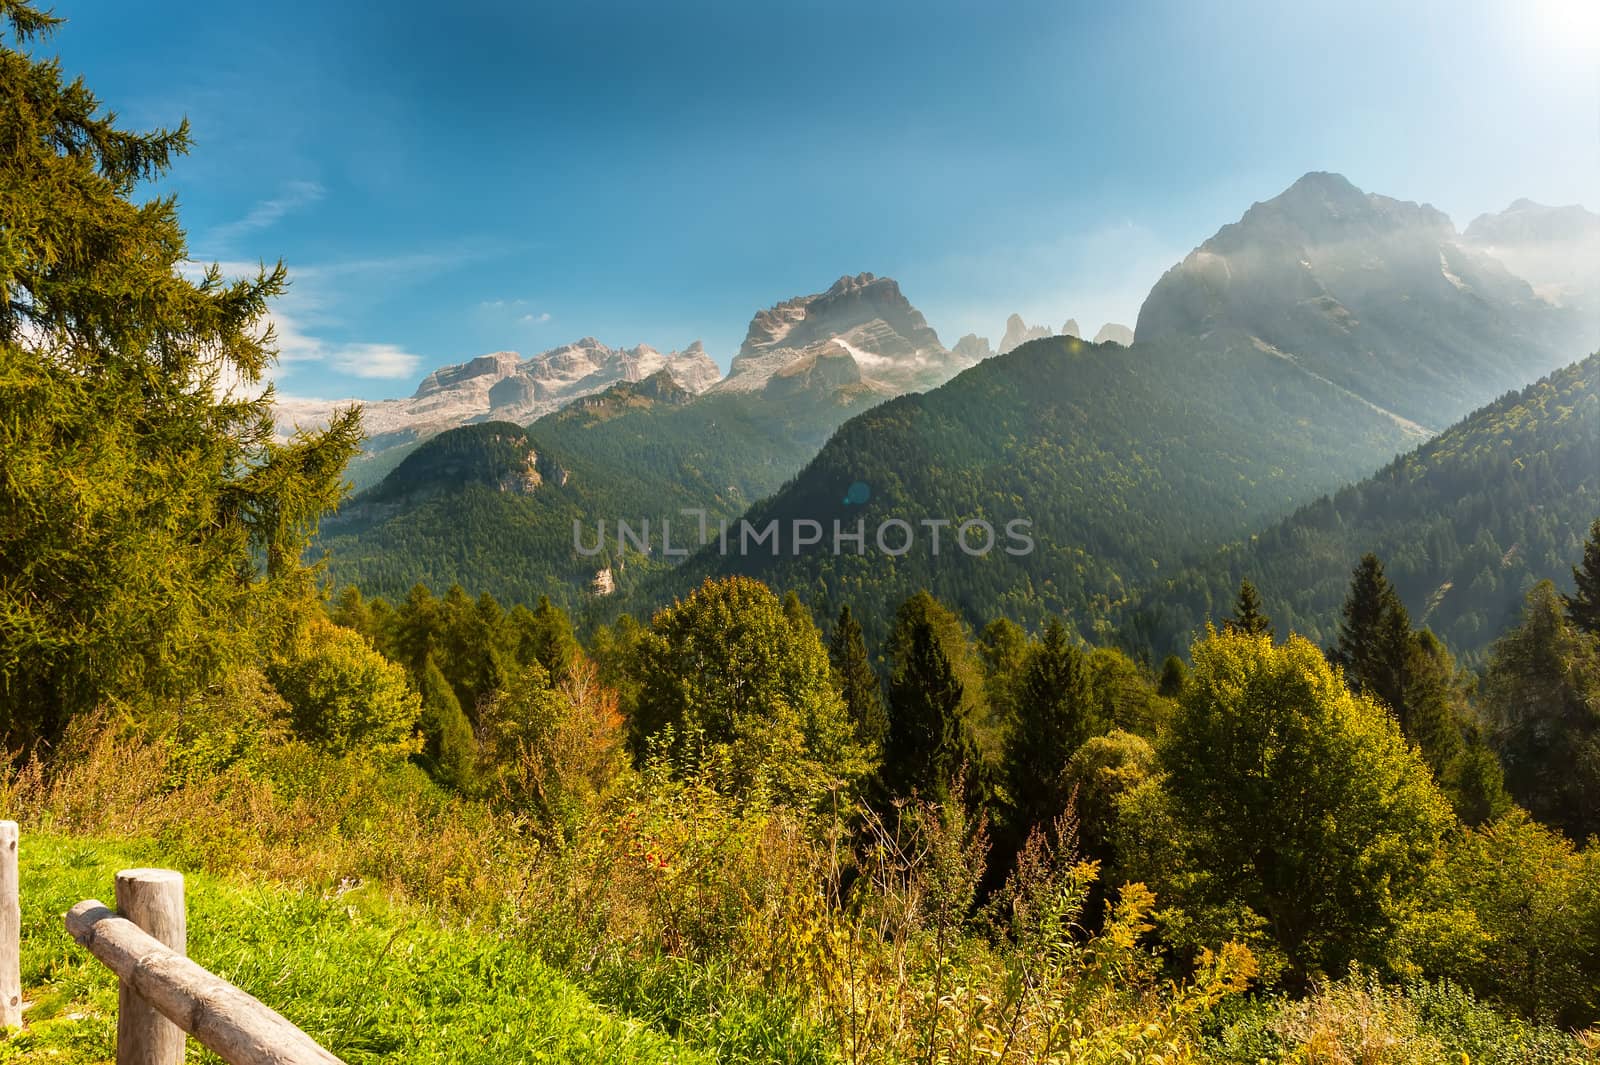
[[1327, 808]]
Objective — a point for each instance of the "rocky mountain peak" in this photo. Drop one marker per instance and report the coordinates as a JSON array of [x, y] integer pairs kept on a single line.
[[1378, 295], [1019, 332], [495, 365], [847, 303], [863, 319], [973, 347], [1322, 208], [1114, 333]]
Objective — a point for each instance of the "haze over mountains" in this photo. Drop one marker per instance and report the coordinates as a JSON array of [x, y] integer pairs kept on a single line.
[[1382, 297], [1293, 352], [1018, 332], [1466, 524], [1555, 249], [1296, 351]]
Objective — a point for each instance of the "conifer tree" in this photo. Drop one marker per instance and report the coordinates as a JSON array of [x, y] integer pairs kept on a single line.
[[172, 554], [1542, 692], [1477, 782], [1583, 605], [1370, 604], [543, 635], [1056, 714], [858, 684], [928, 738], [1247, 615], [448, 746], [1409, 672], [1002, 647], [1435, 704], [1174, 675]]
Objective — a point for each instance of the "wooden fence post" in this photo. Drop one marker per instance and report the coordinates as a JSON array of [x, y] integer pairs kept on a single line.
[[153, 900], [10, 929]]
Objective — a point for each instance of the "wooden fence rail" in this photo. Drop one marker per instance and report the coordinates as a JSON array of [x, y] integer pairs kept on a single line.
[[161, 994], [10, 929]]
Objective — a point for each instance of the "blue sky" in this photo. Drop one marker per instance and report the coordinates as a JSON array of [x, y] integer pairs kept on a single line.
[[445, 180]]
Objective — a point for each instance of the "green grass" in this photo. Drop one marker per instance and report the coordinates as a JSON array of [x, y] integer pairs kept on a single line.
[[367, 979]]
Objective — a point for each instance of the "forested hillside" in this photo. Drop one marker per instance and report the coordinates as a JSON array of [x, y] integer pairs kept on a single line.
[[1124, 460], [492, 506], [1466, 524]]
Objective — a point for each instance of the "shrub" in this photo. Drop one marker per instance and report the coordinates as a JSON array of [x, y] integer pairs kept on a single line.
[[346, 697]]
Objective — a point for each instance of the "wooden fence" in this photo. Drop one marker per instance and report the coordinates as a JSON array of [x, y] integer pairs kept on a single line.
[[161, 994]]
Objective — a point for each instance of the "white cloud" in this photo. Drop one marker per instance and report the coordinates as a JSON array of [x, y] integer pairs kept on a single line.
[[536, 319], [295, 195], [501, 305], [374, 361], [299, 316], [377, 361]]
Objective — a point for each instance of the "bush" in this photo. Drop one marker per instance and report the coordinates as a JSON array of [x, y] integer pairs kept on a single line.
[[344, 696]]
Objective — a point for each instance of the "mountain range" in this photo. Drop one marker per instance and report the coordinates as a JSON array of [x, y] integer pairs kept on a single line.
[[861, 335], [652, 447], [1294, 352]]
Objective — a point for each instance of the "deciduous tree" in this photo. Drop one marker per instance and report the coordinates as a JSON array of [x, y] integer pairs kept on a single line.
[[1304, 818]]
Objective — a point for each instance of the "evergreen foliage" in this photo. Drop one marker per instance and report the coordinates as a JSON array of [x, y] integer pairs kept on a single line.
[[1056, 714], [448, 746], [1583, 605], [930, 738], [1408, 672], [857, 682], [1542, 696], [1247, 614], [151, 528], [1465, 524]]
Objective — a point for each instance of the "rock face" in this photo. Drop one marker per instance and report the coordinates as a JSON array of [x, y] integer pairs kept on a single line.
[[1114, 333], [505, 387], [1555, 249], [1071, 329], [1376, 295], [1019, 333], [973, 347], [861, 333]]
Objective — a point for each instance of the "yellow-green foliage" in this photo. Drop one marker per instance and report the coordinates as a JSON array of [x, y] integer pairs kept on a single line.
[[344, 696], [735, 921], [372, 980], [143, 489], [1302, 820], [729, 666]]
